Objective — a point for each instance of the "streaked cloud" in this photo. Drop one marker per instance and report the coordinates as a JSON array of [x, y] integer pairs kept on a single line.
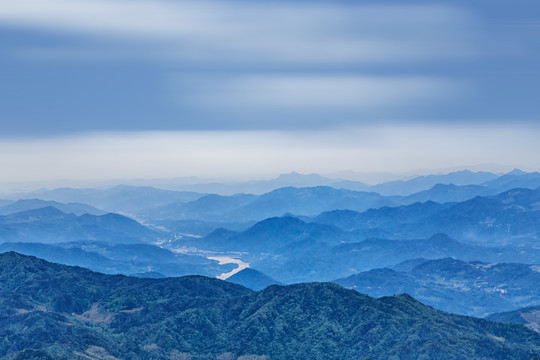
[[258, 31], [226, 65], [96, 89], [315, 91]]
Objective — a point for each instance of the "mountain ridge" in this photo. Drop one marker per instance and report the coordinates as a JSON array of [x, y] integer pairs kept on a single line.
[[50, 225], [472, 288], [202, 318]]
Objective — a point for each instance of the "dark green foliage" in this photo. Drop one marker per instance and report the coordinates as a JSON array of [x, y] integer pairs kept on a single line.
[[149, 274], [72, 313], [32, 355], [529, 316]]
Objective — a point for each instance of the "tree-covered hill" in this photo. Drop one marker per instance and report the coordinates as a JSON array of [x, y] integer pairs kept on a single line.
[[50, 225], [529, 316], [471, 288], [51, 311], [124, 259], [511, 217]]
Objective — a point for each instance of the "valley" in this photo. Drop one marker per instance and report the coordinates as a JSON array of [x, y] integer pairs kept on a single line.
[[269, 180], [474, 255]]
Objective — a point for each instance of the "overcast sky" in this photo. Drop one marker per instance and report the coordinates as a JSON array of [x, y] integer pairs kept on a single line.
[[98, 89]]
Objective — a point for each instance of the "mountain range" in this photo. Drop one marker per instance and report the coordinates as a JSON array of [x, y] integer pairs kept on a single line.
[[291, 250], [50, 225], [124, 199], [32, 204], [529, 316], [288, 236], [295, 179], [496, 182], [471, 288], [128, 259], [252, 279], [421, 183], [199, 213], [512, 217], [51, 311]]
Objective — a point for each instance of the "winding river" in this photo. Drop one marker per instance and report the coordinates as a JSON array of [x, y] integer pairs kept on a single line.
[[229, 260]]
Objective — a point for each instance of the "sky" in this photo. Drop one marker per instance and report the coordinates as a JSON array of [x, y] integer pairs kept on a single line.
[[117, 89]]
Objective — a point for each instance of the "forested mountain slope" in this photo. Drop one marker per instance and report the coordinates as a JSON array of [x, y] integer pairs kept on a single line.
[[51, 311]]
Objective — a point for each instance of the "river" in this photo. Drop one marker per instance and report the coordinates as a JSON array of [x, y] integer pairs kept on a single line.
[[229, 260]]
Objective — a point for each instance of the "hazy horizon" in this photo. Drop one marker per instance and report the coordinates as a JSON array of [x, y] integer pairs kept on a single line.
[[101, 90], [176, 183]]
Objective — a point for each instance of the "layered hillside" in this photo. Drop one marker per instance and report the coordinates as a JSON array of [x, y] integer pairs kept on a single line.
[[59, 312]]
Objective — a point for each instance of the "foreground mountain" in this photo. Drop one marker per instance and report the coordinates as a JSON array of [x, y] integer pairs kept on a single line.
[[51, 311], [470, 288], [529, 316], [50, 225]]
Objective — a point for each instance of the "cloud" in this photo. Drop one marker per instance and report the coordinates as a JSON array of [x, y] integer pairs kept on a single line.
[[242, 154], [247, 32], [243, 65], [293, 101], [315, 92]]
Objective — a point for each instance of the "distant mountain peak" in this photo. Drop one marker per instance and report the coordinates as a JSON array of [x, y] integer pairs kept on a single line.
[[296, 176], [281, 221], [252, 279], [45, 211], [292, 174], [464, 171], [516, 172]]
